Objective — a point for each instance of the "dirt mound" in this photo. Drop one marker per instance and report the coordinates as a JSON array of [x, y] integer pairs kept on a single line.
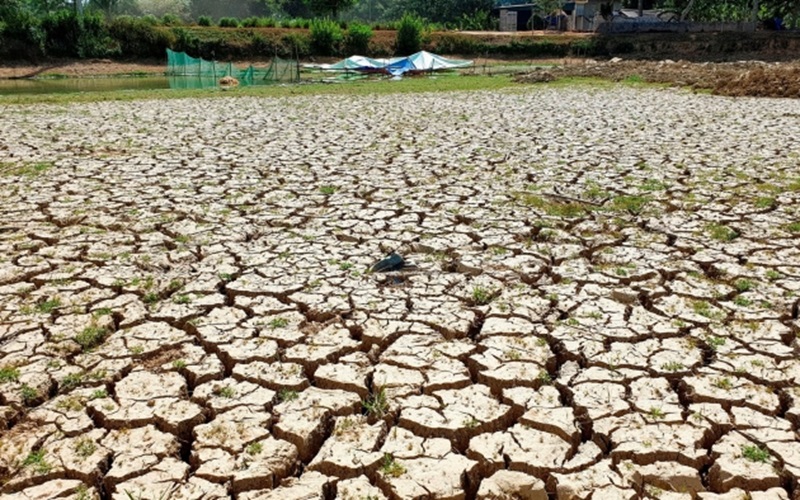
[[772, 81], [745, 78]]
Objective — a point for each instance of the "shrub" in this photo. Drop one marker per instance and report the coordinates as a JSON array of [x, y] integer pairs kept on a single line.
[[150, 19], [68, 34], [409, 34], [138, 38], [478, 21], [171, 20], [357, 39], [326, 37], [228, 22], [20, 34], [251, 22], [205, 21], [295, 45], [185, 40]]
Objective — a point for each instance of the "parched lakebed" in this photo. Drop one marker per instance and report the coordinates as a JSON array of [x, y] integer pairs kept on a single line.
[[601, 297]]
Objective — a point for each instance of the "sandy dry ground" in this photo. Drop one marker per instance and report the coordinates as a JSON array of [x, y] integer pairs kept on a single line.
[[604, 298]]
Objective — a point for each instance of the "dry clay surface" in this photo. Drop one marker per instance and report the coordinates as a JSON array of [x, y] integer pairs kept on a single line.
[[604, 300]]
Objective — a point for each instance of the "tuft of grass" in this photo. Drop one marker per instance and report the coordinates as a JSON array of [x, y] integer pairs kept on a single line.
[[391, 467], [672, 366], [721, 232], [793, 227], [103, 311], [544, 378], [653, 185], [70, 382], [28, 394], [376, 405], [755, 454], [656, 413], [179, 364], [715, 342], [723, 383], [285, 395], [91, 337], [36, 461], [254, 448], [99, 394], [85, 447], [328, 190], [567, 210], [481, 296], [742, 301], [181, 299], [48, 306], [278, 323], [225, 392], [9, 374], [631, 204], [764, 202], [743, 285]]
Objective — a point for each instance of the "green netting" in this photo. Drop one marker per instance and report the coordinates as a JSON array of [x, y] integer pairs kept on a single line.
[[185, 71]]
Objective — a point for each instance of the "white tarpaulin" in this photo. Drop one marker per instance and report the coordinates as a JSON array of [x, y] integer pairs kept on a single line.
[[419, 62]]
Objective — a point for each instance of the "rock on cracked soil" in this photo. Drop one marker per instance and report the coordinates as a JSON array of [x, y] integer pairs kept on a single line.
[[604, 303]]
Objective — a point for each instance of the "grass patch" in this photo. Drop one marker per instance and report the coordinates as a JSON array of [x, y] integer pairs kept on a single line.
[[720, 232], [631, 204], [254, 448], [481, 296], [227, 392], [36, 461], [85, 447], [764, 202], [28, 394], [391, 467], [9, 374], [439, 83], [376, 405], [48, 306], [743, 285], [755, 454], [91, 337], [278, 323], [285, 395], [723, 383], [672, 366], [27, 170], [553, 208]]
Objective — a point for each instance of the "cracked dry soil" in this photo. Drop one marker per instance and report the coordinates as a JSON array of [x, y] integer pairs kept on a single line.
[[604, 303]]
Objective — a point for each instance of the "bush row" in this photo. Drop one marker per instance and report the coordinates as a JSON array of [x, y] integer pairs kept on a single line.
[[64, 34]]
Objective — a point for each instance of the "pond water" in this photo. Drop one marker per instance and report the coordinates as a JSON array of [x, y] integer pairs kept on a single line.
[[65, 85]]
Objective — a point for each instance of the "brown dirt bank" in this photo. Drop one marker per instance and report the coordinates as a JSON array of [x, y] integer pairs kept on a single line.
[[743, 78]]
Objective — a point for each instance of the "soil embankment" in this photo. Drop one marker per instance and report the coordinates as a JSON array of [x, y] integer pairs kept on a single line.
[[744, 78]]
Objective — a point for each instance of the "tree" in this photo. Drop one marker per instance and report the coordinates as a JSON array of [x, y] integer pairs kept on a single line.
[[107, 7], [441, 11], [329, 7]]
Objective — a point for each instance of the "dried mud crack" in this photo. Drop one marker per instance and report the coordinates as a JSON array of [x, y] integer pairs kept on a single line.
[[603, 303]]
